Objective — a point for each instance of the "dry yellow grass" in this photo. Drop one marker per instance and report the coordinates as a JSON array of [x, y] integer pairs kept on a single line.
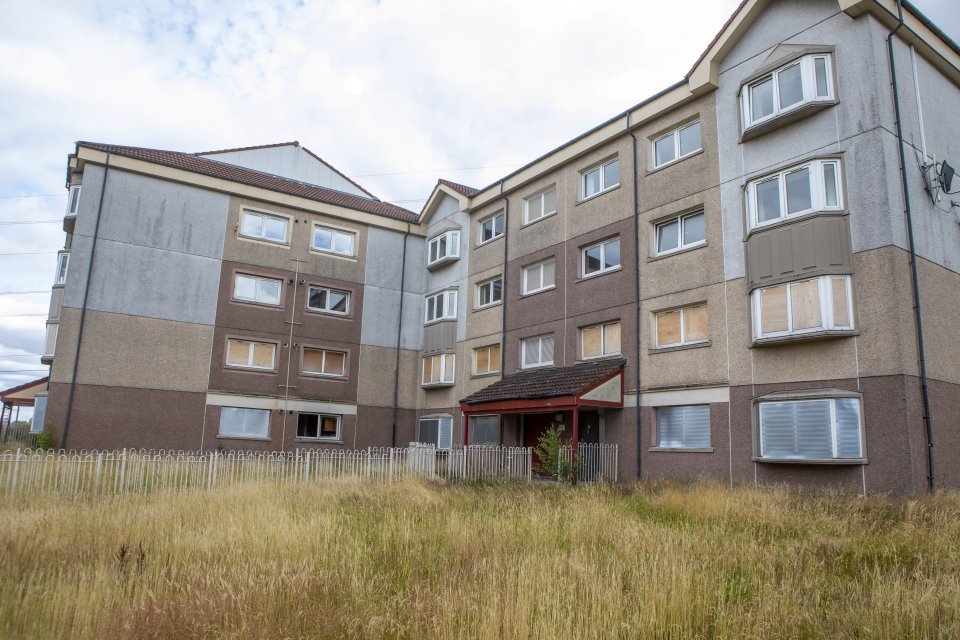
[[499, 561]]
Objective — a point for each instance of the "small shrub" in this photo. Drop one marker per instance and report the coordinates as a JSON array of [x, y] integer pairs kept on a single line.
[[46, 440], [551, 462]]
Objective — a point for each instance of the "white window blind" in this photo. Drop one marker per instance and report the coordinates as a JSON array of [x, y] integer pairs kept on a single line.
[[686, 427], [39, 414], [245, 423], [485, 430], [811, 429], [437, 431]]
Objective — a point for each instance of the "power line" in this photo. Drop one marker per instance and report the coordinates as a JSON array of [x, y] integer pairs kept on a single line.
[[400, 173], [22, 370], [37, 195], [5, 222], [10, 293], [30, 253], [21, 355], [23, 315]]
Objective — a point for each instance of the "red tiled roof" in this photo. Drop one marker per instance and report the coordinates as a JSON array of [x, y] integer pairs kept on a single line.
[[547, 383], [215, 169], [462, 189]]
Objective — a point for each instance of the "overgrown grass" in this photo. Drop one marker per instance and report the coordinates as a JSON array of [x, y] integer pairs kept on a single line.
[[498, 561]]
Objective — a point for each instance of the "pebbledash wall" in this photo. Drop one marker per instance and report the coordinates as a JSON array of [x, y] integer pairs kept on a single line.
[[161, 308]]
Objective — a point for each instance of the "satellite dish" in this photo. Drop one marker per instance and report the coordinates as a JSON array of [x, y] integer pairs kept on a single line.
[[946, 176]]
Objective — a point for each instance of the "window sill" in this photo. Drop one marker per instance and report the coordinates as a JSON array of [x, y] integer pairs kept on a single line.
[[324, 376], [596, 195], [255, 438], [437, 385], [433, 266], [675, 252], [488, 306], [786, 117], [319, 440], [673, 162], [59, 285], [332, 254], [538, 291], [492, 374], [797, 217], [832, 461], [69, 222], [813, 336], [254, 303], [683, 449], [46, 359], [430, 323], [271, 243], [540, 219], [329, 314], [531, 367], [680, 347], [598, 274], [490, 241], [229, 367], [606, 356]]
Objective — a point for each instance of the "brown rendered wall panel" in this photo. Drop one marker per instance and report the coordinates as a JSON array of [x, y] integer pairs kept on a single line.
[[802, 249]]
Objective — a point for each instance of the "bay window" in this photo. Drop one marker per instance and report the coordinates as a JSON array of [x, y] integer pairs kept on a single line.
[[445, 246], [821, 429], [438, 370], [819, 304], [814, 186], [804, 81], [441, 306]]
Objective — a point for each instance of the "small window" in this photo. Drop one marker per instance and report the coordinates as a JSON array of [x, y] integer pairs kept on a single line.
[[539, 277], [485, 430], [256, 289], [327, 300], [490, 292], [601, 257], [437, 431], [677, 144], [244, 423], [682, 232], [63, 260], [73, 200], [443, 247], [822, 429], [599, 179], [800, 82], [262, 226], [441, 306], [682, 326], [492, 228], [438, 369], [600, 340], [683, 427], [50, 340], [250, 354], [819, 304], [324, 362], [814, 186], [540, 205], [537, 351], [316, 426], [338, 241], [486, 359]]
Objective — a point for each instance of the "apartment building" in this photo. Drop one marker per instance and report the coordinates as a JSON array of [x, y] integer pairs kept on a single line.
[[721, 280]]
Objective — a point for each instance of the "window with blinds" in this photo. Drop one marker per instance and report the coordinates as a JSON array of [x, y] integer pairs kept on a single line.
[[823, 429], [537, 351], [39, 414], [485, 430], [437, 431], [244, 423], [686, 427]]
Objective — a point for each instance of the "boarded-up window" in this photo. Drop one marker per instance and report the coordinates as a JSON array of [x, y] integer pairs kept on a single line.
[[773, 310], [805, 304], [801, 307], [841, 308], [487, 359], [683, 427], [668, 328], [682, 326], [438, 369], [600, 340], [324, 362], [247, 353], [695, 324]]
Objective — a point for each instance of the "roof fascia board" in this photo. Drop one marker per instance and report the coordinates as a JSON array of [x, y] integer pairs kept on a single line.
[[436, 197], [705, 75], [134, 165]]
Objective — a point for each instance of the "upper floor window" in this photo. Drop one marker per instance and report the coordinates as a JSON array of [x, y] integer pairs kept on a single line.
[[800, 82], [50, 339], [683, 427], [256, 289], [438, 369], [324, 362], [814, 186], [821, 429], [492, 228], [820, 304], [539, 277], [600, 340], [63, 260], [250, 354], [443, 247], [490, 292], [328, 300], [263, 226], [537, 351], [486, 359], [73, 200], [315, 426], [681, 232], [441, 306], [336, 241], [598, 179], [540, 205], [677, 144], [682, 326], [601, 257]]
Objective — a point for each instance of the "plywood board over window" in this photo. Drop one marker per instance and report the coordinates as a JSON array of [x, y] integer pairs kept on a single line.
[[805, 304], [773, 305], [695, 324]]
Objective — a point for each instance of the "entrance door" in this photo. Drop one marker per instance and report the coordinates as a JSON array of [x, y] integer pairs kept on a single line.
[[534, 426], [589, 427]]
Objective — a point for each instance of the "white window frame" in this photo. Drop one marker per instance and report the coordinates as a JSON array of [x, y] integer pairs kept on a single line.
[[50, 339], [336, 231], [489, 283], [541, 195], [676, 145], [328, 310], [681, 245], [452, 244], [603, 340], [683, 330], [262, 236], [488, 348], [603, 259], [539, 265], [444, 427], [833, 428], [320, 417], [63, 264], [540, 363], [448, 369], [808, 79], [247, 412], [323, 363], [683, 446], [250, 365], [493, 221], [602, 168], [825, 292], [818, 187], [256, 288], [73, 200], [450, 306]]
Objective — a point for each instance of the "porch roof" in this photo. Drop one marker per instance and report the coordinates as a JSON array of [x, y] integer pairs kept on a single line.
[[24, 394], [553, 388]]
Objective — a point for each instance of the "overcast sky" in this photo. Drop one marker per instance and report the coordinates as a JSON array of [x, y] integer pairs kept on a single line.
[[393, 93]]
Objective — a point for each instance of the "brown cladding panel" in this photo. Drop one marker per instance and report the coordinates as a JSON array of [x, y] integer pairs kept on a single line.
[[802, 249], [440, 336]]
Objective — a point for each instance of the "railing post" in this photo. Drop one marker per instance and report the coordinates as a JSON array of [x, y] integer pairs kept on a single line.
[[16, 470], [123, 469]]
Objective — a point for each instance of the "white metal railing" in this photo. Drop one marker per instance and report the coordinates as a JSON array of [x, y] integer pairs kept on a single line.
[[35, 472], [597, 461]]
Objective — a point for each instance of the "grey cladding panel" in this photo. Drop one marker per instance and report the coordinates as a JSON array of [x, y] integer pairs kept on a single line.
[[803, 249], [441, 336]]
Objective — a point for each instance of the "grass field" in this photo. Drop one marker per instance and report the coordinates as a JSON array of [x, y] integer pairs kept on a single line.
[[497, 561]]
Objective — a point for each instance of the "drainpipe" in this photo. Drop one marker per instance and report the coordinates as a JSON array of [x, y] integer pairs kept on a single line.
[[396, 364], [504, 296], [636, 277], [83, 305], [931, 484]]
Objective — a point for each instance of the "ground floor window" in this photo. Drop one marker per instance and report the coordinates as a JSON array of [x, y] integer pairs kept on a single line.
[[686, 427], [318, 426], [244, 423], [816, 430], [437, 430], [485, 430]]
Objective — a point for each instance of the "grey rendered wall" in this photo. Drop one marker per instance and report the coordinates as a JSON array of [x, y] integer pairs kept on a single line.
[[381, 293]]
